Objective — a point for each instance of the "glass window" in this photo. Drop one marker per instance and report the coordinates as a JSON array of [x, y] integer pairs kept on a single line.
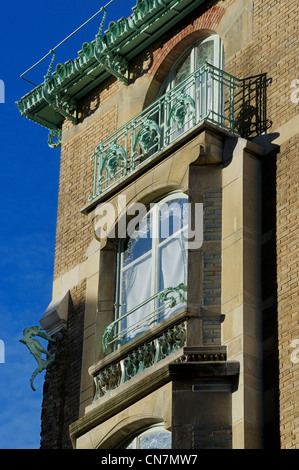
[[191, 100], [152, 259], [208, 50], [155, 437]]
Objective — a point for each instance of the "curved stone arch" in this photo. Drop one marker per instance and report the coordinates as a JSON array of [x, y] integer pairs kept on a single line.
[[137, 193], [127, 428]]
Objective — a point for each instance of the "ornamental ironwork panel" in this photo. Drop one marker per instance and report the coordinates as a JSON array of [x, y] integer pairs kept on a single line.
[[251, 106], [140, 359], [206, 94]]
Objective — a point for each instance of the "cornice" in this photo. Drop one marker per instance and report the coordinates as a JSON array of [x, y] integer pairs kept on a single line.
[[54, 100]]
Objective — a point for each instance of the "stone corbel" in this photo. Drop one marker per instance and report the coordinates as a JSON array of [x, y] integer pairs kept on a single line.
[[210, 149], [56, 315]]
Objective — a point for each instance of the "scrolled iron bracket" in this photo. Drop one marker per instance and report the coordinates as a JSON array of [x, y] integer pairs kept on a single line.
[[54, 134], [166, 296], [60, 101], [113, 63]]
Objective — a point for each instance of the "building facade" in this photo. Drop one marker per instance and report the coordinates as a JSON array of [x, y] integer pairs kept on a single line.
[[175, 291]]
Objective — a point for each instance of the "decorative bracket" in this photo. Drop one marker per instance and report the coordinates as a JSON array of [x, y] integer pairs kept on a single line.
[[113, 63], [54, 144], [60, 101]]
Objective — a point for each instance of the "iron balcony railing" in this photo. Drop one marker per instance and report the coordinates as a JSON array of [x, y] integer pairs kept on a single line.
[[207, 94], [146, 314]]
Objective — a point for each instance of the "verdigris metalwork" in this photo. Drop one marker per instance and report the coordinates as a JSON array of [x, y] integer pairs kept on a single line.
[[140, 359], [167, 295], [113, 63], [147, 137], [116, 334], [206, 94], [179, 110], [59, 99], [106, 54], [54, 134], [37, 350], [114, 162]]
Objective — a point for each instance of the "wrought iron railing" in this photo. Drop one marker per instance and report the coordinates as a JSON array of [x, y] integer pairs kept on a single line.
[[207, 94], [136, 321], [166, 343], [251, 106]]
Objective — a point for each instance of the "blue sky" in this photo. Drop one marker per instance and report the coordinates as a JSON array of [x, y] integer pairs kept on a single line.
[[29, 189]]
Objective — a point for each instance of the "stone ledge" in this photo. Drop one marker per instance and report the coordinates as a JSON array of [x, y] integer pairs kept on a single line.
[[149, 381]]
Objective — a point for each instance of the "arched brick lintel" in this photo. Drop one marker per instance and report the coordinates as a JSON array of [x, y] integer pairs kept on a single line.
[[165, 56]]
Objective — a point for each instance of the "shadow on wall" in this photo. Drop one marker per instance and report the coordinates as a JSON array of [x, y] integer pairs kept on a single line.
[[269, 293]]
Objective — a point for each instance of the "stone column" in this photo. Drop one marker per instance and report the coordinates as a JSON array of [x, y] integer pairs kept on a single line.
[[241, 288]]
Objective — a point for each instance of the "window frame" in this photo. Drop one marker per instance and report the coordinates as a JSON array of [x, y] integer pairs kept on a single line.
[[156, 245], [216, 91], [218, 60]]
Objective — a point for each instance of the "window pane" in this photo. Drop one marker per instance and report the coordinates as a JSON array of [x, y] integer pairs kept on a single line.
[[173, 217], [136, 288], [182, 71], [157, 440], [173, 263], [173, 270], [205, 53], [139, 243], [149, 264]]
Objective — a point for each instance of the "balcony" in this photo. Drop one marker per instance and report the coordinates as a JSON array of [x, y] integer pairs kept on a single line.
[[133, 347], [207, 94]]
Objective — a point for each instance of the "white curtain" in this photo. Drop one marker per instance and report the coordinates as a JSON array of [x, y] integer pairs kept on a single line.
[[136, 288], [173, 268]]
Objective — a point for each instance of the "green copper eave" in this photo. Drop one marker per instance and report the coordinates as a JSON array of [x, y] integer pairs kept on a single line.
[[103, 57]]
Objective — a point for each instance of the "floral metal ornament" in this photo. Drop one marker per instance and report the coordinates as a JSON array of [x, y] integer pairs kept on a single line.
[[115, 162], [37, 350], [167, 295], [140, 359], [107, 336], [54, 134], [180, 109], [148, 137]]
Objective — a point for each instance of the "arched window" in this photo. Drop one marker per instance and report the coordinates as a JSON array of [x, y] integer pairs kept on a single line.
[[152, 267], [194, 88], [208, 50], [156, 437]]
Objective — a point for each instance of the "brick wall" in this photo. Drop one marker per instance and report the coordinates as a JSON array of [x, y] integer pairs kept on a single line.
[[61, 391], [73, 233], [288, 288]]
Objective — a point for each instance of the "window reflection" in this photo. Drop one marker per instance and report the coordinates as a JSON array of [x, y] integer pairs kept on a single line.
[[154, 438]]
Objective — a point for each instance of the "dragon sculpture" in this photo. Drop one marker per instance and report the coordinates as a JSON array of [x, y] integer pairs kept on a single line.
[[36, 349]]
